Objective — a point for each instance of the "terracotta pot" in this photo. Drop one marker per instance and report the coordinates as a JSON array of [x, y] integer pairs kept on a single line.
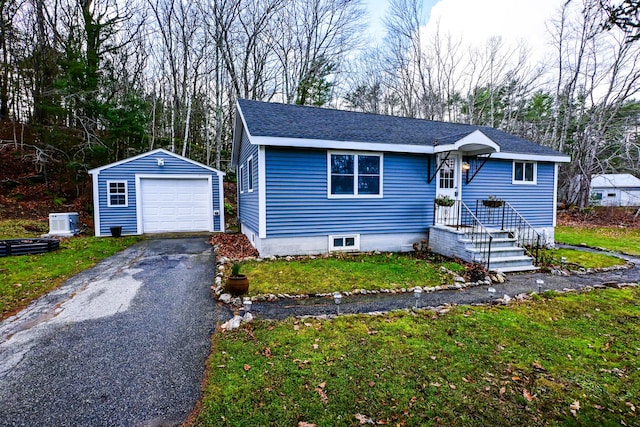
[[237, 285], [492, 203]]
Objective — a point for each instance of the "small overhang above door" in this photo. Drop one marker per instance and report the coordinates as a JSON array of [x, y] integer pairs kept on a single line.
[[469, 144]]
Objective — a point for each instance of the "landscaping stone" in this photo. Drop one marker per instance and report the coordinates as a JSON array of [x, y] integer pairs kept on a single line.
[[225, 298]]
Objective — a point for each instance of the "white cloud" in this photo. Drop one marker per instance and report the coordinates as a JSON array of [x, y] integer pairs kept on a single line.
[[515, 21]]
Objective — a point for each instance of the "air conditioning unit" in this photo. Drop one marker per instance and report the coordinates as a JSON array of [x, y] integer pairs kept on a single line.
[[63, 224]]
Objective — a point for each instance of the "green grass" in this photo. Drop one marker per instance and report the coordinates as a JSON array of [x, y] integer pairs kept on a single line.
[[582, 258], [343, 273], [24, 278], [13, 229], [527, 364], [617, 239]]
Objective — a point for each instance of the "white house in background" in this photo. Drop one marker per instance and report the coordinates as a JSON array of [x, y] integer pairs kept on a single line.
[[620, 189]]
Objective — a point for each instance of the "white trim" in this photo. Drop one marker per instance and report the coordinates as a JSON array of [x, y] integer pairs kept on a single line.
[[514, 181], [555, 194], [149, 153], [530, 157], [221, 201], [355, 247], [475, 138], [262, 194], [355, 194], [392, 148], [250, 179], [96, 205], [139, 177], [340, 145], [126, 193], [241, 178]]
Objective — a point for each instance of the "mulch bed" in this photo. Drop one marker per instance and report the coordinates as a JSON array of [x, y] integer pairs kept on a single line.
[[233, 245]]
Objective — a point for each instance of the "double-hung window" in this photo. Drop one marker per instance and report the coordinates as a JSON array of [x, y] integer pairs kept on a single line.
[[524, 172], [354, 175], [117, 194]]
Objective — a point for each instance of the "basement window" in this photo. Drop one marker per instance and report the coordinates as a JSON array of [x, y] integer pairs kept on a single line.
[[117, 194], [349, 242]]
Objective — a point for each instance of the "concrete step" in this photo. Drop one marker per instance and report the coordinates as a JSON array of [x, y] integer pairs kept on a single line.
[[516, 269], [499, 252], [511, 263], [495, 243]]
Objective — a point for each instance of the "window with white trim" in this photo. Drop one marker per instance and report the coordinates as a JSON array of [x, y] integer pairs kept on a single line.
[[348, 242], [250, 174], [354, 175], [241, 178], [117, 193], [524, 172]]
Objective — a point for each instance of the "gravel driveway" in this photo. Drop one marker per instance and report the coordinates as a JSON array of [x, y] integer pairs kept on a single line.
[[121, 344]]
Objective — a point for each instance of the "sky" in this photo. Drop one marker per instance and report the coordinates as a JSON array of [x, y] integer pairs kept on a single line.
[[477, 20]]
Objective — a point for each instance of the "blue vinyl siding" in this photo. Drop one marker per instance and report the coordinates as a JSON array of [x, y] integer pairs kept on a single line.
[[248, 201], [534, 202], [126, 217], [297, 202]]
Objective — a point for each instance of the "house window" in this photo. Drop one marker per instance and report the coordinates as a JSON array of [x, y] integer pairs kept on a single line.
[[117, 194], [447, 174], [241, 178], [250, 174], [524, 172], [344, 242], [355, 175]]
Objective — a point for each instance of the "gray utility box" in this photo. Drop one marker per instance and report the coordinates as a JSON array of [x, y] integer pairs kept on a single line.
[[63, 224]]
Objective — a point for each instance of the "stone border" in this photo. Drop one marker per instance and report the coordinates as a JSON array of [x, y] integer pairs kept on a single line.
[[459, 281], [441, 310]]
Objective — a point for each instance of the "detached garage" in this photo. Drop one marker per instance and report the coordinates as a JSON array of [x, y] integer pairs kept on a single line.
[[157, 192]]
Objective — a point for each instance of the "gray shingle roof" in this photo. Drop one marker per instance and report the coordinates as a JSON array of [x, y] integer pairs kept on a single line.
[[296, 121]]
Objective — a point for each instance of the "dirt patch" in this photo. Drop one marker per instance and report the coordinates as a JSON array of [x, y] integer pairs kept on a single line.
[[233, 246]]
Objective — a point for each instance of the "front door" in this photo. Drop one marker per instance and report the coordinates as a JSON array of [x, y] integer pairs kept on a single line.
[[448, 184]]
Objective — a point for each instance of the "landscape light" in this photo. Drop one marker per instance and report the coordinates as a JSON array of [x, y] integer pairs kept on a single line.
[[416, 293], [337, 298], [539, 282], [246, 304]]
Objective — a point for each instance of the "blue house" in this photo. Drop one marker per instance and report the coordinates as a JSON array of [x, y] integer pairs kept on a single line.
[[315, 180], [158, 191]]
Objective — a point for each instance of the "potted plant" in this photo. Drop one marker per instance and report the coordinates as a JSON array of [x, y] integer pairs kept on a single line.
[[493, 202], [237, 284], [444, 200]]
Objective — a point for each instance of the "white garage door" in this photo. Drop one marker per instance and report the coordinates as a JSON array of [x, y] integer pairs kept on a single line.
[[175, 205]]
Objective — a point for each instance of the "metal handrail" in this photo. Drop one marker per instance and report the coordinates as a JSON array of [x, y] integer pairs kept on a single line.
[[459, 215], [507, 218]]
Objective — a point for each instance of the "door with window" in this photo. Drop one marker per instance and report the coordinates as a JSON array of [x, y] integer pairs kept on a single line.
[[448, 185]]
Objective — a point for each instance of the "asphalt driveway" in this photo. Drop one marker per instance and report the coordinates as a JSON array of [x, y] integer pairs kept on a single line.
[[121, 344]]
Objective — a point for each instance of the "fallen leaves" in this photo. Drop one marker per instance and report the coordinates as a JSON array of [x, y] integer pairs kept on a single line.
[[527, 395], [363, 419], [323, 395], [305, 424], [574, 408], [246, 367]]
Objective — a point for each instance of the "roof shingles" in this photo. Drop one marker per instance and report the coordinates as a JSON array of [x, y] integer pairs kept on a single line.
[[297, 121]]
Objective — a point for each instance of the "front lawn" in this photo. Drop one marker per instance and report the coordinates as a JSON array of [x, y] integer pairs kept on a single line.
[[581, 258], [617, 239], [343, 273], [556, 360], [24, 278]]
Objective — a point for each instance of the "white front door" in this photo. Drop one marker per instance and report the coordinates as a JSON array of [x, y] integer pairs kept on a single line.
[[448, 184]]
